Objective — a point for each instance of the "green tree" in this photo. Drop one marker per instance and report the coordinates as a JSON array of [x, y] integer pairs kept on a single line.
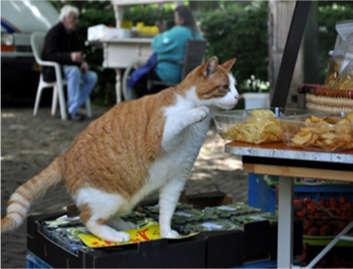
[[239, 31]]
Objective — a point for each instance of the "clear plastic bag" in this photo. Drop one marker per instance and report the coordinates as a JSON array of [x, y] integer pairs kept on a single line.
[[340, 71]]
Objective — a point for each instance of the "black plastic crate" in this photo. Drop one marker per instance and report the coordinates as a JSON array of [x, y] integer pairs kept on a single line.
[[256, 240], [297, 239], [188, 252], [208, 249], [224, 249]]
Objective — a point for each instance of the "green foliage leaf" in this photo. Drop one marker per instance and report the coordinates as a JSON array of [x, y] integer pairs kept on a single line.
[[239, 31]]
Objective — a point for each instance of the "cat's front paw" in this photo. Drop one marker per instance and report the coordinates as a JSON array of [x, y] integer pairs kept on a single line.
[[203, 112], [170, 234]]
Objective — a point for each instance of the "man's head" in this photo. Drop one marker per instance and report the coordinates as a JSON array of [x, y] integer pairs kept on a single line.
[[69, 17]]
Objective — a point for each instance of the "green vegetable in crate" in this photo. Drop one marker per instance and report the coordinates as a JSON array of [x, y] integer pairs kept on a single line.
[[238, 207], [187, 215], [210, 213], [64, 221], [269, 216], [227, 211], [212, 225], [254, 217], [134, 216]]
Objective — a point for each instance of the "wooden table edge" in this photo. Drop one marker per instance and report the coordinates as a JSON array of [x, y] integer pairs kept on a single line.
[[292, 171]]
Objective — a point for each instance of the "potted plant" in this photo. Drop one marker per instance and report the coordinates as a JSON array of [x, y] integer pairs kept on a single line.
[[256, 93]]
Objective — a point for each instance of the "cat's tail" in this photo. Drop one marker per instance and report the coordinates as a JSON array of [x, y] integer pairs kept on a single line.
[[20, 201]]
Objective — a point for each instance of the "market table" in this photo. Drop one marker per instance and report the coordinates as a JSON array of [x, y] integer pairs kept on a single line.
[[280, 160], [121, 53]]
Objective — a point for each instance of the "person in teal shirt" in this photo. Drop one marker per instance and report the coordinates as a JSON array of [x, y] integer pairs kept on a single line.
[[170, 45]]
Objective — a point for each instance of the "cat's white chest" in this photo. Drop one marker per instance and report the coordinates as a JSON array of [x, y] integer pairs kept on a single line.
[[181, 144], [181, 153]]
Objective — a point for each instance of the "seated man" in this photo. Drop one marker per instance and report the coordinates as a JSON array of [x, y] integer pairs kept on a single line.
[[62, 45]]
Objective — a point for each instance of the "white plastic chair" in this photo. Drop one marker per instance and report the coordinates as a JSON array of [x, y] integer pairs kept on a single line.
[[37, 41]]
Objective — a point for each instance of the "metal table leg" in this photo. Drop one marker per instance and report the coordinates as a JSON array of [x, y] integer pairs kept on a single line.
[[118, 79], [285, 224]]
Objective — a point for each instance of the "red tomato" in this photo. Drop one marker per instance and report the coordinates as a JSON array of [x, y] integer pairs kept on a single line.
[[313, 231], [343, 200], [301, 213], [307, 201], [332, 202], [325, 230], [298, 204]]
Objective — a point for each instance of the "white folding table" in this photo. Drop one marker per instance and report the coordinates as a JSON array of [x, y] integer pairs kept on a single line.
[[119, 54]]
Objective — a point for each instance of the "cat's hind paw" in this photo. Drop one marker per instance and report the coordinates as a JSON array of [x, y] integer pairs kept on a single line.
[[170, 234], [107, 233], [121, 237]]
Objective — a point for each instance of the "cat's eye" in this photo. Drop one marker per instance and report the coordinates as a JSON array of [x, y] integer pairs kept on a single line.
[[224, 88]]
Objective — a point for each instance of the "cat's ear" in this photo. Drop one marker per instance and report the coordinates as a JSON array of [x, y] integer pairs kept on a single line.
[[229, 64], [210, 67]]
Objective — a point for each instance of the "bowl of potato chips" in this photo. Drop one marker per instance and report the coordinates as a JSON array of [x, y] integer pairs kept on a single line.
[[255, 126], [225, 120], [322, 132]]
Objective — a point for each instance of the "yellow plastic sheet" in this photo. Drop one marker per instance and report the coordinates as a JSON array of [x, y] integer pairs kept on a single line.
[[146, 233]]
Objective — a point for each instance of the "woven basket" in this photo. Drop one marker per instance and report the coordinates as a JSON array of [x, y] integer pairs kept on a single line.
[[323, 99]]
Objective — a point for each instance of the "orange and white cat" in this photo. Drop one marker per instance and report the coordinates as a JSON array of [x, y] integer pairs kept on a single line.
[[135, 148]]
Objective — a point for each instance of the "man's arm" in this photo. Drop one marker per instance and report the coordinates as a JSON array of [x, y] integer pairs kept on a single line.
[[54, 52], [78, 43]]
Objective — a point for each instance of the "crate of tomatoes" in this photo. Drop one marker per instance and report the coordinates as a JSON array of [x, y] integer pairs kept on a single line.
[[323, 218]]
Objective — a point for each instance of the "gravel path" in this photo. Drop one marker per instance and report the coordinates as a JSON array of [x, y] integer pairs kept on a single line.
[[30, 143]]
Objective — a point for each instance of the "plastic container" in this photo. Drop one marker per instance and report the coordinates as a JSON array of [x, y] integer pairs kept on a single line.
[[260, 195], [256, 100], [34, 262], [318, 132], [164, 253], [264, 197], [225, 119], [260, 264], [224, 249], [312, 240]]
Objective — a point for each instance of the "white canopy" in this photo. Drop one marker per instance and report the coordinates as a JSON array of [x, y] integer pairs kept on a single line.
[[27, 16]]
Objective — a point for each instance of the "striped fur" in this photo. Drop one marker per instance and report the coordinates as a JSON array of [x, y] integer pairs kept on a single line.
[[20, 200], [135, 148]]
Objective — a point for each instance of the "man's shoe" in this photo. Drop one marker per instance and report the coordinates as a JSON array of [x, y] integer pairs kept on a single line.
[[76, 117]]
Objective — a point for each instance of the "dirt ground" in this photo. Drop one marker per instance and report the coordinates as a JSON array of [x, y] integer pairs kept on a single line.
[[30, 143]]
